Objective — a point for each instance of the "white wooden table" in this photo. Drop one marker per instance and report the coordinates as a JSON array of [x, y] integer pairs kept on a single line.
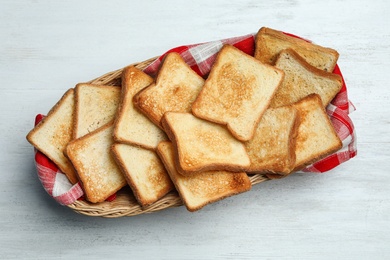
[[47, 47]]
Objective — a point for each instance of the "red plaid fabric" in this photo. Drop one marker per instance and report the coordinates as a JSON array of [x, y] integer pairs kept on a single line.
[[200, 58], [53, 180]]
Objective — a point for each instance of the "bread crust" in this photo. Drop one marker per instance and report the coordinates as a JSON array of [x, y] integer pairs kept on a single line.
[[313, 69], [234, 96], [92, 178], [297, 84], [188, 168], [272, 149], [130, 124], [158, 182], [333, 142], [175, 88], [60, 138], [313, 52], [201, 189], [101, 116]]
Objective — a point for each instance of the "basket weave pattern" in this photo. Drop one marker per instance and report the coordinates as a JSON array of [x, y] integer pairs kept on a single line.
[[125, 203]]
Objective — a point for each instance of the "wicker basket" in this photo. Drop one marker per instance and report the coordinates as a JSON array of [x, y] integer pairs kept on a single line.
[[125, 203]]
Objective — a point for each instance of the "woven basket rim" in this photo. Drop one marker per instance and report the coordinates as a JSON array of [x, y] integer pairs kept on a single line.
[[125, 204]]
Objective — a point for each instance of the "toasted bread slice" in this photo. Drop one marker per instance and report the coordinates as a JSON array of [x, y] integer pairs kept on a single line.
[[203, 188], [99, 175], [176, 87], [272, 149], [131, 126], [237, 92], [54, 132], [144, 172], [269, 43], [316, 136], [302, 79], [202, 145], [96, 105]]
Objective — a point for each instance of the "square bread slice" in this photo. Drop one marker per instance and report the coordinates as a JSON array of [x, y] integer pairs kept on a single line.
[[203, 188], [202, 145], [54, 132], [269, 43], [302, 79], [316, 137], [176, 87], [131, 126], [237, 92], [98, 172], [96, 105], [144, 172], [272, 148]]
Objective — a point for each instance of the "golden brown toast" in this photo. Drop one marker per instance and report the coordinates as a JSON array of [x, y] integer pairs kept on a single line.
[[176, 87], [95, 106], [91, 156], [54, 132], [202, 145], [204, 188], [131, 126], [316, 137], [144, 172], [302, 79], [237, 92], [269, 43], [272, 149]]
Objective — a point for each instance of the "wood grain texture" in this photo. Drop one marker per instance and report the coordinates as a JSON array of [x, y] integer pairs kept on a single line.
[[48, 46]]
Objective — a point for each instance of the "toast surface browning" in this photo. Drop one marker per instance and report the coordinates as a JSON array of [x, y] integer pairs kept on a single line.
[[203, 188], [237, 92], [272, 149], [144, 172], [99, 174], [96, 105], [301, 79], [316, 137], [176, 87], [131, 126], [54, 132], [269, 43], [261, 116], [202, 145]]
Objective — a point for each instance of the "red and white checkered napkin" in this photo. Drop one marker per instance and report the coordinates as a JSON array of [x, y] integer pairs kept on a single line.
[[200, 58], [53, 180]]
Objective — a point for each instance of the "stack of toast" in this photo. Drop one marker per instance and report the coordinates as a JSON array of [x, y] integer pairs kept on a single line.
[[203, 137]]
